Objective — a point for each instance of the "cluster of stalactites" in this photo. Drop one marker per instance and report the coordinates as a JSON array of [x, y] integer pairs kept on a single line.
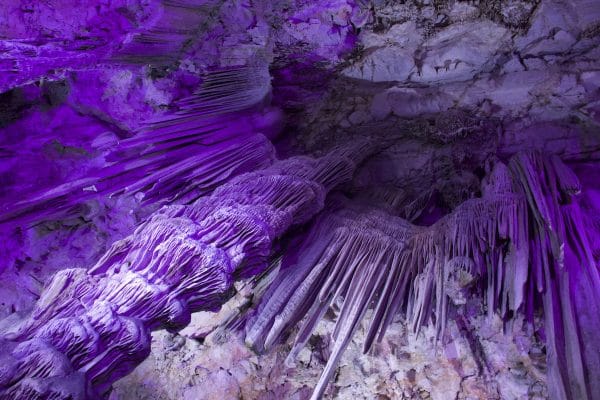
[[95, 325], [116, 33], [368, 258], [563, 270], [210, 137]]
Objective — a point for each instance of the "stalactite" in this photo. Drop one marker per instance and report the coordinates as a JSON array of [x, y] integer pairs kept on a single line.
[[371, 259], [180, 156], [566, 274], [118, 36], [395, 200], [183, 259]]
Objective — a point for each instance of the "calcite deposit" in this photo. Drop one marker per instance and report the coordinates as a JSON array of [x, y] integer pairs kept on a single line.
[[331, 199]]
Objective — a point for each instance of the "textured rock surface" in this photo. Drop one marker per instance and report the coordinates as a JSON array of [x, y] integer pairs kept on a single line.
[[487, 364], [110, 109]]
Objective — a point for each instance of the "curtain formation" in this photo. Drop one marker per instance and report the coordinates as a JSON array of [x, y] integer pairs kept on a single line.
[[90, 328], [523, 240]]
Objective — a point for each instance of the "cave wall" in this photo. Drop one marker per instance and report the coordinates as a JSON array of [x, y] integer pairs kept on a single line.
[[111, 110]]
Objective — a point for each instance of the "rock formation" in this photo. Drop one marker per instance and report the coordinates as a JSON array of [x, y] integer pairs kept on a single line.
[[327, 199]]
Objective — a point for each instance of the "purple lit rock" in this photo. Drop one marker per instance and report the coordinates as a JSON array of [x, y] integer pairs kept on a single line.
[[182, 260], [249, 198]]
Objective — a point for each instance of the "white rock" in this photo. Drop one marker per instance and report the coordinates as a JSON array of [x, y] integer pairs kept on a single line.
[[390, 55], [550, 16], [534, 63], [513, 65], [590, 80], [459, 52], [512, 92], [561, 42], [407, 102], [588, 13], [462, 11]]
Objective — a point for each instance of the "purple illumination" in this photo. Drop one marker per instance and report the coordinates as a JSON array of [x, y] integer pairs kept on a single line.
[[345, 170], [182, 260], [366, 256]]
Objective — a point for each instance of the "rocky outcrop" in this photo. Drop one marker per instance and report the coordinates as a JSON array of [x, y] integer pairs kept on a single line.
[[524, 60], [489, 364]]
